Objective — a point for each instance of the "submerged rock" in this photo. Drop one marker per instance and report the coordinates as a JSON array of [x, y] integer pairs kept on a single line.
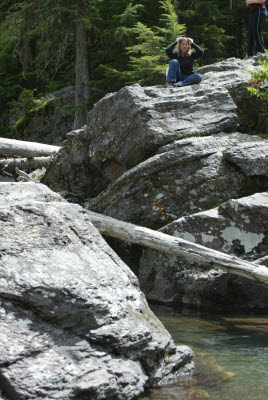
[[249, 324], [74, 323], [238, 227]]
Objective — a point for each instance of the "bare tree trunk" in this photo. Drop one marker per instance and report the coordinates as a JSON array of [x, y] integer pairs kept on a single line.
[[19, 148], [189, 251], [10, 164], [82, 90]]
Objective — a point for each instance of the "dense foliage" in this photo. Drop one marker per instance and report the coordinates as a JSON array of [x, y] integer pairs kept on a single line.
[[126, 41]]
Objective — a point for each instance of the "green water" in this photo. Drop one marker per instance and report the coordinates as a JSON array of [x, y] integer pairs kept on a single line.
[[231, 356]]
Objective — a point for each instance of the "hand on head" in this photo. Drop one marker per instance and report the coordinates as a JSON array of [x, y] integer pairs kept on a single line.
[[181, 37]]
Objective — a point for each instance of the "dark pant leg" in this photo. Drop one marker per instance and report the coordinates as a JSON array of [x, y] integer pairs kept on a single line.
[[259, 38], [255, 39]]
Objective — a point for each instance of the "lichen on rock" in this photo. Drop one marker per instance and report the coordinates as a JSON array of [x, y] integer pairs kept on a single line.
[[74, 322]]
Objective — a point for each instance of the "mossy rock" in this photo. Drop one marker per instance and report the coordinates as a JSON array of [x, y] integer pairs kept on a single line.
[[44, 110]]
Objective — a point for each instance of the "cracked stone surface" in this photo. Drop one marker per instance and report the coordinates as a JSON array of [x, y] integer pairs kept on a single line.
[[153, 155], [185, 177], [238, 227], [74, 323]]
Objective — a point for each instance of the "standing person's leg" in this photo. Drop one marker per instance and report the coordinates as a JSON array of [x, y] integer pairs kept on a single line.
[[262, 14], [251, 39], [174, 71], [190, 80]]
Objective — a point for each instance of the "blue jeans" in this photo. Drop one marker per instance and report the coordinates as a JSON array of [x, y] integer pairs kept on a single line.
[[174, 75]]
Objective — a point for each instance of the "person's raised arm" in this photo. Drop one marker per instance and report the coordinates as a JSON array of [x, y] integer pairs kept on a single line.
[[198, 51], [169, 50]]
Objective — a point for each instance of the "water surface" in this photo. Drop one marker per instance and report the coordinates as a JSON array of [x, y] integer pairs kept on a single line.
[[231, 356]]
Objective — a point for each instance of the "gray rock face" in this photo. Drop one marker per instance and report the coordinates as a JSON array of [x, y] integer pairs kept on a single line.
[[238, 227], [74, 323], [185, 177], [143, 119], [71, 171], [129, 127], [234, 75], [251, 158], [151, 155]]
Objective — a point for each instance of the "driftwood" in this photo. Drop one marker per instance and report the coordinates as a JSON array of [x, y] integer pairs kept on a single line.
[[10, 164], [19, 148], [189, 251], [25, 176]]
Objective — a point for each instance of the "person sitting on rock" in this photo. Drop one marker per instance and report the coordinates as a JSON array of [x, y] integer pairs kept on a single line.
[[180, 71]]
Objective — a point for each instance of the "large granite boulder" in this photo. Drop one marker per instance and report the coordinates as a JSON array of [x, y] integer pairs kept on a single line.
[[129, 127], [74, 323], [153, 155], [185, 177], [238, 227]]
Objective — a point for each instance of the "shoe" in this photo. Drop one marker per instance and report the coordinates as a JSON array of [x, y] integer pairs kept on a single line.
[[170, 84], [262, 55]]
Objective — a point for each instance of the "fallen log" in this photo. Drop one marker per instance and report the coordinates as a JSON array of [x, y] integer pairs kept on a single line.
[[191, 252], [19, 148], [10, 164]]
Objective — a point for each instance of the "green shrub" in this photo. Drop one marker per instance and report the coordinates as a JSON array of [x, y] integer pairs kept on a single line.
[[259, 80]]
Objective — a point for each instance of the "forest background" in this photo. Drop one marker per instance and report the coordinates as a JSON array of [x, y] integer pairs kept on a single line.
[[46, 45]]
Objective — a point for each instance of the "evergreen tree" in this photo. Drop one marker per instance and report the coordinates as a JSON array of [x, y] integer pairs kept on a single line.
[[109, 60], [146, 60], [41, 42], [41, 35]]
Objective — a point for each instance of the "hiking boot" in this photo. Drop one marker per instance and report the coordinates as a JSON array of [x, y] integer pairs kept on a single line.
[[170, 84]]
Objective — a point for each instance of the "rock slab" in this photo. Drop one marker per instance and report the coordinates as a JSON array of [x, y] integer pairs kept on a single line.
[[74, 323]]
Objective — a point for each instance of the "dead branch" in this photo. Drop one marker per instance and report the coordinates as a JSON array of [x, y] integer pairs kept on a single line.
[[25, 176], [19, 148], [189, 251], [10, 164]]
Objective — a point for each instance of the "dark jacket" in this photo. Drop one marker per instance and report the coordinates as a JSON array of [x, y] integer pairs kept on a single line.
[[186, 62]]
